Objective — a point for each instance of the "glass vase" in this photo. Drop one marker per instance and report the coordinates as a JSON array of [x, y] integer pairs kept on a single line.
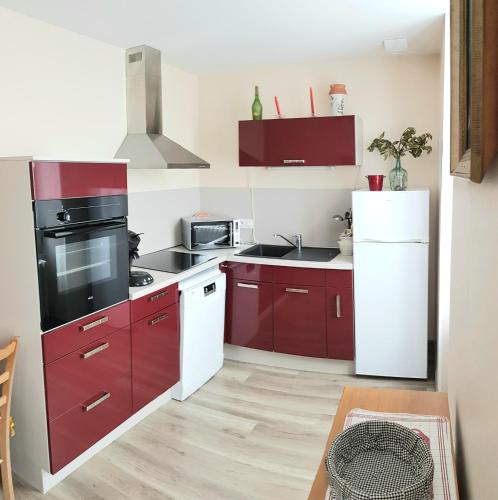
[[398, 177]]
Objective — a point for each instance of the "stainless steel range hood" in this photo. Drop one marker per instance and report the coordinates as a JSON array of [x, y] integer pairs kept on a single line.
[[145, 145]]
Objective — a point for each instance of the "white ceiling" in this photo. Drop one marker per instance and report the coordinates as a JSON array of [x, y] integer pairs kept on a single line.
[[207, 35]]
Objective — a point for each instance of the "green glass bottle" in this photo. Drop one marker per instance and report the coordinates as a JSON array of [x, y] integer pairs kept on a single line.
[[257, 108]]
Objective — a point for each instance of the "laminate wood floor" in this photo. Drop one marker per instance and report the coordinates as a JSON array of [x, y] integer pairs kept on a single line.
[[252, 432]]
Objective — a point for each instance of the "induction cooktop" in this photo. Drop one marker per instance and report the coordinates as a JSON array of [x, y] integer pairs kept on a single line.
[[169, 261]]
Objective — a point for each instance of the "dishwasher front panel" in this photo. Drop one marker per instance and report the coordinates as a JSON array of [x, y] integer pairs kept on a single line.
[[202, 325]]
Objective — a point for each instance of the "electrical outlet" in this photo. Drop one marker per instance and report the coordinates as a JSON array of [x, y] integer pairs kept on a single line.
[[246, 223]]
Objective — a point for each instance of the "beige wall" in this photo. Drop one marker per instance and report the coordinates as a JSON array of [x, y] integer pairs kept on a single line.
[[473, 341], [63, 95], [388, 93]]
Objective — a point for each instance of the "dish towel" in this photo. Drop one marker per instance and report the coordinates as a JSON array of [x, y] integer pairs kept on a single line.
[[434, 430]]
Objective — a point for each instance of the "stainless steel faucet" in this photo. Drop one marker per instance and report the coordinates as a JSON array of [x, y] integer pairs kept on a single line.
[[298, 240]]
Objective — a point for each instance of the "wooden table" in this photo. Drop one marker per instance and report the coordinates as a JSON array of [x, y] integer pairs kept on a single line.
[[385, 400]]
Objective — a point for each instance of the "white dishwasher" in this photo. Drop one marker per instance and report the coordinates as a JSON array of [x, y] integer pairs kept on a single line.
[[202, 327]]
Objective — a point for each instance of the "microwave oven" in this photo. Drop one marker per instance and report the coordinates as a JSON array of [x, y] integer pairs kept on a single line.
[[202, 233]]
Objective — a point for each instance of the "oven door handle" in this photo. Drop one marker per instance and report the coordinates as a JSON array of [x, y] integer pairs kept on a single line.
[[65, 233]]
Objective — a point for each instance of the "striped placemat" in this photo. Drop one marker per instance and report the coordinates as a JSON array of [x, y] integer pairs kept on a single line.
[[434, 430]]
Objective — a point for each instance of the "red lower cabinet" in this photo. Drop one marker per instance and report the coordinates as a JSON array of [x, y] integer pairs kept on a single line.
[[299, 320], [155, 355], [82, 426], [293, 310], [340, 323], [88, 394], [78, 376], [249, 314]]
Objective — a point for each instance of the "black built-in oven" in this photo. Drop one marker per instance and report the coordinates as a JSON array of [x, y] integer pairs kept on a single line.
[[82, 250]]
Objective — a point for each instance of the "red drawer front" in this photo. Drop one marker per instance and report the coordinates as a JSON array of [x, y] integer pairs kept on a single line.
[[340, 323], [299, 276], [249, 314], [53, 180], [155, 344], [76, 430], [299, 320], [78, 376], [77, 334], [340, 279], [145, 306], [250, 272]]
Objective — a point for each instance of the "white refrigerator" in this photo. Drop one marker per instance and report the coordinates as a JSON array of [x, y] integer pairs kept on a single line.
[[391, 272]]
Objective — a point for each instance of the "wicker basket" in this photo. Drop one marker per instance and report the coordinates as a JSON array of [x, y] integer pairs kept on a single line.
[[378, 460]]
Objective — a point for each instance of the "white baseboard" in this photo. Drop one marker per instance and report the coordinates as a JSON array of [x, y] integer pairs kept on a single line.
[[50, 480], [280, 360]]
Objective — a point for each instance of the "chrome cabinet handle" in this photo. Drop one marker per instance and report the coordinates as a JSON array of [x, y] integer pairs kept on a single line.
[[93, 324], [287, 162], [338, 313], [246, 285], [97, 402], [89, 354], [158, 296], [297, 290], [160, 318]]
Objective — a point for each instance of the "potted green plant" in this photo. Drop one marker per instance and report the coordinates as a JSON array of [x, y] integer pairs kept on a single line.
[[409, 142]]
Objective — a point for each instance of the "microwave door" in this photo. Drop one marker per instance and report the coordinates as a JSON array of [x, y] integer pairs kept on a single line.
[[211, 235], [217, 241]]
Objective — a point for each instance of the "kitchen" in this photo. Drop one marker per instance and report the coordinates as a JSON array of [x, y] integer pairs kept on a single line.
[[240, 366]]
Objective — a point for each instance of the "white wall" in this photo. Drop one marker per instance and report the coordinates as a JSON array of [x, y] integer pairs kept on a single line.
[[473, 340], [445, 223], [63, 95]]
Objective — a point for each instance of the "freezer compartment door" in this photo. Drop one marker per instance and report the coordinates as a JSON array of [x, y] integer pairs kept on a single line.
[[391, 295], [391, 216]]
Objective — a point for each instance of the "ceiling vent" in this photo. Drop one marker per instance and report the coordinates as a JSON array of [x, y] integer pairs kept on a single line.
[[396, 45]]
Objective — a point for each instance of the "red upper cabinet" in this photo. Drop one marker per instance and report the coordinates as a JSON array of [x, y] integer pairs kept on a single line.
[[319, 141], [57, 179]]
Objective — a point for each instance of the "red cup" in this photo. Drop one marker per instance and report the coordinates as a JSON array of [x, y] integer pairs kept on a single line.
[[375, 182]]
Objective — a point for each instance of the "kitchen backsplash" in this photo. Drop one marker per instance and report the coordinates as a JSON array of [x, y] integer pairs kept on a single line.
[[283, 210], [274, 210], [157, 214]]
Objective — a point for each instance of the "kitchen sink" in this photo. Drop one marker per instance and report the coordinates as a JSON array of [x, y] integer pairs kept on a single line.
[[314, 254], [268, 251]]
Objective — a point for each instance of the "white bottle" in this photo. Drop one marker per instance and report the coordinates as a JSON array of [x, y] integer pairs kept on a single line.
[[337, 95]]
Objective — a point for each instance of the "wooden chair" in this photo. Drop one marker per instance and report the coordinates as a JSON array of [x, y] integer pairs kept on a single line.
[[7, 355]]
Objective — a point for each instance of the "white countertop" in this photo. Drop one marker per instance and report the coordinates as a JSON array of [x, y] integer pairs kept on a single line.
[[162, 279]]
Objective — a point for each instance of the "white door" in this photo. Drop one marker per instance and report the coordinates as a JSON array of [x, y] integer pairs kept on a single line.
[[391, 294], [391, 216]]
